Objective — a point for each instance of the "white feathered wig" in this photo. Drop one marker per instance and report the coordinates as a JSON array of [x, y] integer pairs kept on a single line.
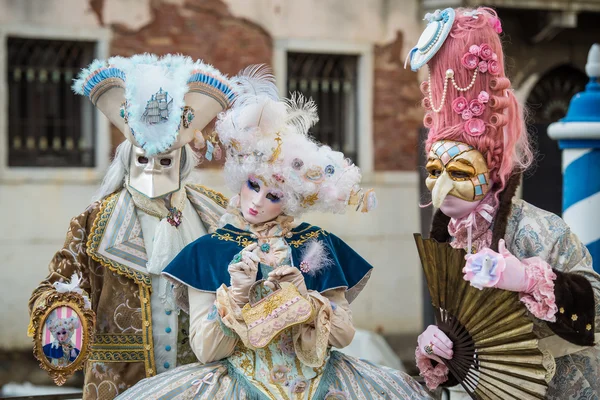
[[267, 137], [56, 325]]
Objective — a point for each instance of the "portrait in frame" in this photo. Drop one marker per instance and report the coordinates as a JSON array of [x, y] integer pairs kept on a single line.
[[63, 335]]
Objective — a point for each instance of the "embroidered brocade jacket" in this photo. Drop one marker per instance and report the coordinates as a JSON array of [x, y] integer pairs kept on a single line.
[[105, 246], [572, 339]]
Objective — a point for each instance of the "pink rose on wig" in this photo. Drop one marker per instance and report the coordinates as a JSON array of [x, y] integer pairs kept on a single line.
[[496, 24], [469, 61], [467, 114], [485, 52], [493, 67], [474, 49], [476, 108], [474, 127], [483, 96], [483, 67], [494, 56], [459, 104]]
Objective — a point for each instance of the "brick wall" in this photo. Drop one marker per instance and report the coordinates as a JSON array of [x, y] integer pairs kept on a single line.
[[203, 29], [397, 114], [206, 29]]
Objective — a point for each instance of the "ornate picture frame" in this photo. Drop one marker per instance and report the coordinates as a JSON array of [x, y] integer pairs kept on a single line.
[[63, 335]]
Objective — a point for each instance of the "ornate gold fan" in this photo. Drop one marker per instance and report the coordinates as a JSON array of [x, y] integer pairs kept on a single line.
[[496, 354]]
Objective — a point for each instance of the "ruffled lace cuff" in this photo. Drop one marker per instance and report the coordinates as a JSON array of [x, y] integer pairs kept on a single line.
[[230, 316], [540, 299], [434, 376], [311, 339]]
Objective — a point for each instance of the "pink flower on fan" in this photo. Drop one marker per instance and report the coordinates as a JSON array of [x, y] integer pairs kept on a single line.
[[493, 67], [474, 49], [470, 61], [460, 104], [483, 97], [476, 108], [467, 114], [483, 67], [485, 52], [496, 24], [474, 127]]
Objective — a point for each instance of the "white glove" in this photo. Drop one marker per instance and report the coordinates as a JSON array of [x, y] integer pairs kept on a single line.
[[243, 270], [288, 274]]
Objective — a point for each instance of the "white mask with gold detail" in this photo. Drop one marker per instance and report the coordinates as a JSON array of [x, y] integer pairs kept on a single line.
[[456, 169]]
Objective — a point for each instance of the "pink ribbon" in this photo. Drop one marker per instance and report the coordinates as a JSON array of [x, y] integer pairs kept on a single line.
[[471, 221]]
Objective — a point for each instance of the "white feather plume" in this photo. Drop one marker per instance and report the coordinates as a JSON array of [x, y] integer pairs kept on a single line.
[[314, 258], [302, 112], [252, 83]]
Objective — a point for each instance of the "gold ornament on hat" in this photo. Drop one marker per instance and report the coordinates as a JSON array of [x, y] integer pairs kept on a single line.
[[310, 200], [277, 150], [360, 199]]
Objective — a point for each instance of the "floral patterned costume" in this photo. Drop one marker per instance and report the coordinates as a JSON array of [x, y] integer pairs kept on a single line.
[[531, 232], [299, 363]]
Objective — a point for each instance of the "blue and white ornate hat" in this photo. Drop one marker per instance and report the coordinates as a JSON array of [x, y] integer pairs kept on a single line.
[[156, 102], [432, 38]]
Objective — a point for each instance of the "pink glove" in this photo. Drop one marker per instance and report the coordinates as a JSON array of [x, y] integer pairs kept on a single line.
[[532, 277], [434, 344], [501, 270], [288, 274]]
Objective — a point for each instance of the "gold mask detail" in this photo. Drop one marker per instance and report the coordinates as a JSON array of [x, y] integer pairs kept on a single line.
[[456, 169]]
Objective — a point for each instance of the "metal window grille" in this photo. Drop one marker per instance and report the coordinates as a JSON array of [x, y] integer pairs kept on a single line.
[[330, 80], [48, 125]]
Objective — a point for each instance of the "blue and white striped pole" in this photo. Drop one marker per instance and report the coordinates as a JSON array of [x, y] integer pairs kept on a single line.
[[578, 136]]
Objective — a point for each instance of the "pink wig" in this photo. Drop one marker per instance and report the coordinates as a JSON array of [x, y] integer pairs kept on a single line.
[[500, 133]]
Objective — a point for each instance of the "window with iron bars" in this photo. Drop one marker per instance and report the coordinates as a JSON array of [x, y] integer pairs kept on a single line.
[[48, 125], [330, 80]]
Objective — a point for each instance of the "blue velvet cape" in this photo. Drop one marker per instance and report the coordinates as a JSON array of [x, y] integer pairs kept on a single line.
[[203, 263], [57, 352]]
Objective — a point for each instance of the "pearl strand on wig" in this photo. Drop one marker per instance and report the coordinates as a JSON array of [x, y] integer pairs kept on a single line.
[[449, 75]]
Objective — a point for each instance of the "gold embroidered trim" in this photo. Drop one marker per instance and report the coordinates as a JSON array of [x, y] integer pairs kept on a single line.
[[309, 236], [100, 223], [269, 357], [241, 240], [218, 198], [236, 232], [148, 343], [117, 348]]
